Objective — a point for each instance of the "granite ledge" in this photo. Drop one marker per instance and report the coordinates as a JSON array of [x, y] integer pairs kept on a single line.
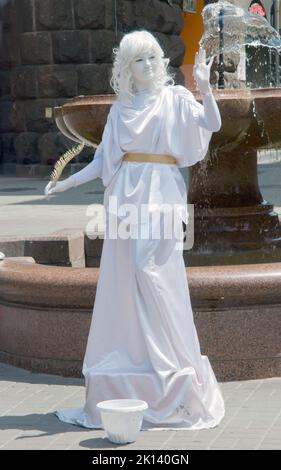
[[74, 287]]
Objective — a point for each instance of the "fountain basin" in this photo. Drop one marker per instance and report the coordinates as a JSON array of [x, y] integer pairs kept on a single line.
[[83, 118], [45, 314], [233, 222]]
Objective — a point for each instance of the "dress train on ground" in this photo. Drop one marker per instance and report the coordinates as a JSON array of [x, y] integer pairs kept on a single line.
[[143, 343]]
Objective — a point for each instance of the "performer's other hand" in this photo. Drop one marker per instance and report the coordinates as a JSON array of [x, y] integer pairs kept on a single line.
[[58, 187]]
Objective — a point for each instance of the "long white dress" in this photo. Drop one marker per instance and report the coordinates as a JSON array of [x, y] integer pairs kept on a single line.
[[143, 342]]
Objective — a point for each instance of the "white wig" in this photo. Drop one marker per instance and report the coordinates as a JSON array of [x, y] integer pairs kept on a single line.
[[131, 46]]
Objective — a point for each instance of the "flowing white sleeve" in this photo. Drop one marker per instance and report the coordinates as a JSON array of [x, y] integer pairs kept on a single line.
[[92, 170], [195, 124], [208, 115]]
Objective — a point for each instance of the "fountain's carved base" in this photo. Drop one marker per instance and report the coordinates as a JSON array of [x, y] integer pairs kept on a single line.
[[236, 235], [45, 315], [233, 223]]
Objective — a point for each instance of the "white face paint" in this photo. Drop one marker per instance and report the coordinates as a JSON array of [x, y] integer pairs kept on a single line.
[[143, 70]]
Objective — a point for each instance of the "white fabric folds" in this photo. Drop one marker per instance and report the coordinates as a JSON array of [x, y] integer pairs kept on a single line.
[[143, 342]]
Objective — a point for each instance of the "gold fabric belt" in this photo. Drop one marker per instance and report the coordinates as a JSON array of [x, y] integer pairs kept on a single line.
[[149, 157]]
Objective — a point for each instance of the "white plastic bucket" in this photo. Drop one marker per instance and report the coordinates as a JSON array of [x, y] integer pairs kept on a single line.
[[122, 418]]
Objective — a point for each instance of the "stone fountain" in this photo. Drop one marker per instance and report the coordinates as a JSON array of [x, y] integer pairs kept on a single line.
[[233, 223], [236, 304]]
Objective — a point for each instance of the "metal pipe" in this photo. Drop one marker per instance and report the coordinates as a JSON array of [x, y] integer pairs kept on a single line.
[[221, 46], [277, 53], [277, 10]]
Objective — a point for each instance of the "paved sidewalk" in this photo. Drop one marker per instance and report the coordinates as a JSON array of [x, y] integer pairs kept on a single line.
[[25, 211], [27, 400]]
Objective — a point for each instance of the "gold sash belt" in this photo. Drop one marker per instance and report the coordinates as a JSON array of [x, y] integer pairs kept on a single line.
[[149, 157]]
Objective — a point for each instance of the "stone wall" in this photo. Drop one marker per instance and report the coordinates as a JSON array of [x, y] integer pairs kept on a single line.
[[54, 50], [8, 57]]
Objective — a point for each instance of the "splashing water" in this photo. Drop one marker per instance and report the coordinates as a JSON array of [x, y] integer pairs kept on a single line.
[[239, 28], [234, 35]]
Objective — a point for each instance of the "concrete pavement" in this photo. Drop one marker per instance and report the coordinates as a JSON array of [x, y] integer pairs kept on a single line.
[[27, 402], [24, 210]]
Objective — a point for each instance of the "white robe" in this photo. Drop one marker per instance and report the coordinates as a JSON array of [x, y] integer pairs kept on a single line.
[[143, 342]]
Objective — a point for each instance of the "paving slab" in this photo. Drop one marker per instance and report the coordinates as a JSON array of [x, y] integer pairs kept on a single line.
[[28, 400]]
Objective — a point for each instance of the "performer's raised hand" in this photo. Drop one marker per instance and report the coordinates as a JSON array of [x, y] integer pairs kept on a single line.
[[201, 71]]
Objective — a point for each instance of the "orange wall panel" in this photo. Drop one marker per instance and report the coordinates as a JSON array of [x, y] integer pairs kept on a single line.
[[191, 34]]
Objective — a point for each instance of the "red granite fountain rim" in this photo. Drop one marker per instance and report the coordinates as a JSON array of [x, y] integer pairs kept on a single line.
[[65, 287], [98, 97], [40, 285], [244, 93], [89, 100]]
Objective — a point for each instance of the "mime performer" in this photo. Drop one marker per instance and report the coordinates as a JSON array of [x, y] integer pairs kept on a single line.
[[142, 341]]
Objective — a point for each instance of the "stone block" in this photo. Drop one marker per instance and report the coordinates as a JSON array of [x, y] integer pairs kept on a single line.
[[62, 248], [29, 115], [6, 59], [23, 82], [34, 115], [154, 15], [92, 15], [53, 14], [36, 48], [8, 147], [57, 81], [6, 14], [27, 148], [93, 250], [94, 79], [12, 246], [51, 146], [6, 124], [71, 46], [17, 115], [93, 262], [102, 43], [25, 13], [44, 171], [25, 170], [109, 18], [8, 169], [5, 88]]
